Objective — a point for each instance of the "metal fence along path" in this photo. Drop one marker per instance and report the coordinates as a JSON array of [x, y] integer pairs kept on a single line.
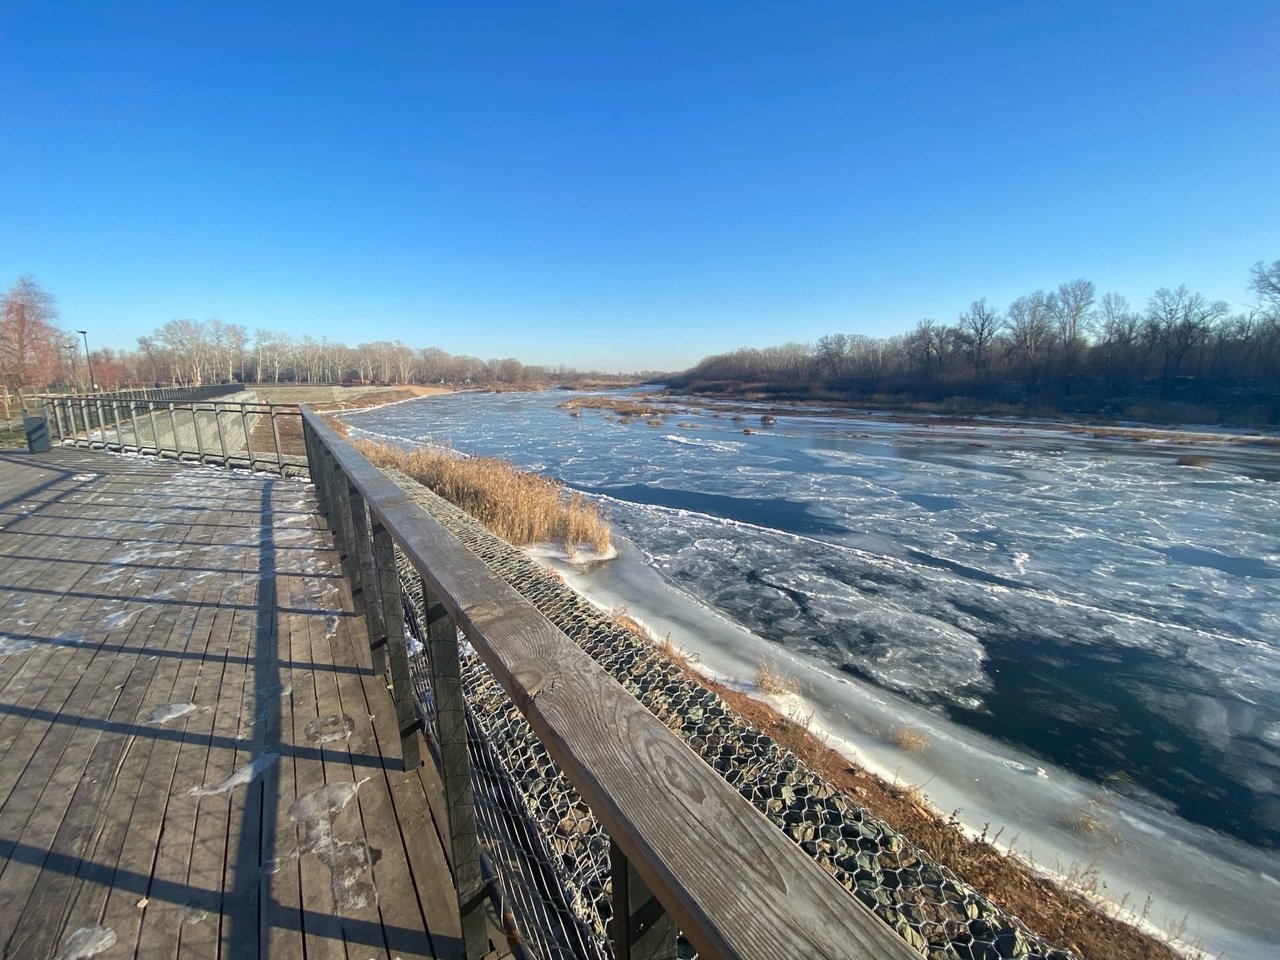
[[251, 436]]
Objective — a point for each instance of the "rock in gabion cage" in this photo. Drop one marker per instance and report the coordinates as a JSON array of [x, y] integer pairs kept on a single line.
[[550, 854]]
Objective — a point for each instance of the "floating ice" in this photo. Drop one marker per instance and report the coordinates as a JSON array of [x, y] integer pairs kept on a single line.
[[1077, 597]]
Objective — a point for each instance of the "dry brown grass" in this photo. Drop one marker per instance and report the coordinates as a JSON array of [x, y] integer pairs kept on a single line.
[[621, 615], [1052, 910], [518, 506], [771, 679], [619, 405], [906, 738]]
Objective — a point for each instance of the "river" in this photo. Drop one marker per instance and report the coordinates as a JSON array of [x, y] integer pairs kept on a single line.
[[1084, 629]]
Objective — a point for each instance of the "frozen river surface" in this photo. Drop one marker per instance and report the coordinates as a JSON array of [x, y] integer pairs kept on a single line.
[[1089, 617]]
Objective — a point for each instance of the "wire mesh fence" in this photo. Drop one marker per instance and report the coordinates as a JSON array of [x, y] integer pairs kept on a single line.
[[537, 812], [248, 436]]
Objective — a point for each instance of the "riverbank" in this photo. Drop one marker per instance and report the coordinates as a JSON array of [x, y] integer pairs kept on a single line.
[[594, 453], [747, 409], [916, 834]]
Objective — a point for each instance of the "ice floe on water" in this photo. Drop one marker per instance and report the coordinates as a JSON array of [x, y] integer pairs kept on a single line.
[[1075, 624]]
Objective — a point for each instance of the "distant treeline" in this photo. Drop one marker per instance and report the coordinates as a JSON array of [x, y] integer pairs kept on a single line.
[[1181, 358], [36, 353]]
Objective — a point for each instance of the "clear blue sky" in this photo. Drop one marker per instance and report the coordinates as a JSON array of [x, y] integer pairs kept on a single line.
[[627, 185]]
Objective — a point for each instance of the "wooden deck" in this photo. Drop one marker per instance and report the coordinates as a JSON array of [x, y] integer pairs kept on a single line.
[[195, 757]]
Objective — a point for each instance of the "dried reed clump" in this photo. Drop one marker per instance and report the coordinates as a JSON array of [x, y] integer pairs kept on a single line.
[[619, 405], [771, 679], [518, 506], [906, 738], [621, 615]]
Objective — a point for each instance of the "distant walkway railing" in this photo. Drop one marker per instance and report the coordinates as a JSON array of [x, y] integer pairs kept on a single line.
[[180, 394], [249, 436], [688, 852]]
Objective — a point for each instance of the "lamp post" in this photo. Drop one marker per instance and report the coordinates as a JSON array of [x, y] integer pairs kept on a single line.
[[88, 359]]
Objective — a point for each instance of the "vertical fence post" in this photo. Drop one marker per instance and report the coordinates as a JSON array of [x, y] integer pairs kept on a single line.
[[641, 928], [451, 730], [360, 571], [275, 433], [195, 428], [387, 581], [248, 439], [222, 440], [155, 432], [59, 411], [102, 423]]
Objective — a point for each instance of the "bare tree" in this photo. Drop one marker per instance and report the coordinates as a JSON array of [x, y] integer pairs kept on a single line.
[[1121, 334], [29, 336], [1029, 323], [977, 330], [1072, 311], [1177, 321], [1265, 282]]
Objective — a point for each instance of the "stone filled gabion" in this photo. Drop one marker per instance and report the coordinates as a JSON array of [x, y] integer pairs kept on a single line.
[[936, 912]]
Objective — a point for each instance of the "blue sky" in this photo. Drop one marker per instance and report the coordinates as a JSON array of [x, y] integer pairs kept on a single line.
[[627, 185]]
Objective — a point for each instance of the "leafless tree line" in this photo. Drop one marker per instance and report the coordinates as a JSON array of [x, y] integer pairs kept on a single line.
[[36, 353], [1049, 341]]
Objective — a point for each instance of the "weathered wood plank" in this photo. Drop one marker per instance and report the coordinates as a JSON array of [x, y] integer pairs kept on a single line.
[[128, 830], [397, 903], [320, 916]]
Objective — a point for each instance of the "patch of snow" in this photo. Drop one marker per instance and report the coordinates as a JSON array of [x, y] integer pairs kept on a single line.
[[239, 778]]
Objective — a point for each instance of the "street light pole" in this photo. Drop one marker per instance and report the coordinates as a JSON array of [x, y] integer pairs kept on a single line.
[[88, 359]]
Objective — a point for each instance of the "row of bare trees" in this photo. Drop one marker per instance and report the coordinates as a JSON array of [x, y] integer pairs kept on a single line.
[[1048, 340], [36, 353], [210, 351]]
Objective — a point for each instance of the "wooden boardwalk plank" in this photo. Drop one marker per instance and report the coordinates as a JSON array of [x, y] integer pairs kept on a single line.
[[144, 585]]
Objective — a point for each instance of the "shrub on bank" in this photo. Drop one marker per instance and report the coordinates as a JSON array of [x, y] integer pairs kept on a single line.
[[518, 506]]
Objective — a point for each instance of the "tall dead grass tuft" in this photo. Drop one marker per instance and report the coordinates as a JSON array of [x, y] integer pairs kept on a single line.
[[518, 506], [771, 679], [905, 738]]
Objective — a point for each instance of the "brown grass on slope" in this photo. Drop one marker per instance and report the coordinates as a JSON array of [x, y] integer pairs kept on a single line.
[[619, 405], [518, 506]]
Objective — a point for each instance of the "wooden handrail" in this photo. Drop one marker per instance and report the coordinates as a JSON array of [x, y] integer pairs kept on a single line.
[[734, 884]]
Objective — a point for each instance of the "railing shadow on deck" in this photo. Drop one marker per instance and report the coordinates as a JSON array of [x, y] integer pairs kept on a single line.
[[688, 852]]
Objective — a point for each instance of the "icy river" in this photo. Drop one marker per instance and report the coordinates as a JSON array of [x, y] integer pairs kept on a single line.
[[1086, 631]]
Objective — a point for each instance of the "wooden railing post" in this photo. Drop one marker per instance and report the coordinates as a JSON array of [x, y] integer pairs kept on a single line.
[[339, 520], [386, 578], [455, 772], [363, 597], [641, 928]]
